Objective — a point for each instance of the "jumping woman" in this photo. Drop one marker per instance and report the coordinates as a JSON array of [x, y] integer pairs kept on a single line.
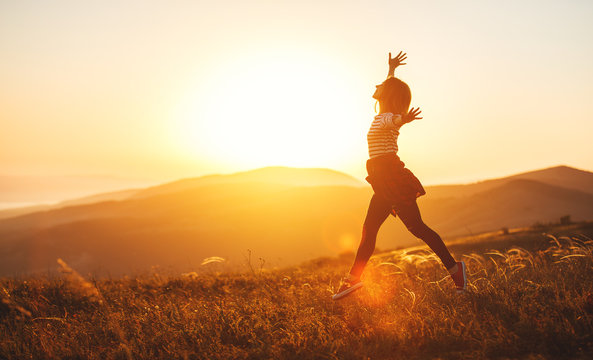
[[395, 187]]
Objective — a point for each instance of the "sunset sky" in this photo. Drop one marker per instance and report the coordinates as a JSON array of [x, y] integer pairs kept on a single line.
[[162, 90]]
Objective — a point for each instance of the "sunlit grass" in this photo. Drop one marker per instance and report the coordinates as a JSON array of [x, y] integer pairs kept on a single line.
[[530, 301]]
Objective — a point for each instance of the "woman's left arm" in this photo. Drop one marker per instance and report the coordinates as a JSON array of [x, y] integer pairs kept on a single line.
[[395, 62]]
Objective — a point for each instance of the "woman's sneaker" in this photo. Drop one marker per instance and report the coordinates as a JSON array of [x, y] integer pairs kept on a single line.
[[458, 274], [348, 286]]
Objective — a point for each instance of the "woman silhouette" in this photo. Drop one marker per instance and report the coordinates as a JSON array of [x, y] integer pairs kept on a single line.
[[395, 187]]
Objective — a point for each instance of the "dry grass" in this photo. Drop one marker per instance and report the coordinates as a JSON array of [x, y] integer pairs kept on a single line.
[[533, 301]]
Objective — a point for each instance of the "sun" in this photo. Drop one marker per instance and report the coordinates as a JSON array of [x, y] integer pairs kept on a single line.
[[272, 109]]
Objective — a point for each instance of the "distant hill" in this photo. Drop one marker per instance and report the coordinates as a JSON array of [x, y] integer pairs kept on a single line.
[[49, 189], [109, 196], [516, 203], [22, 210], [284, 219], [271, 175], [562, 176], [274, 221]]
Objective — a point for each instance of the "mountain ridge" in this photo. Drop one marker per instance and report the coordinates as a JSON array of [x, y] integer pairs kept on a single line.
[[279, 222], [561, 175], [555, 175], [270, 174], [519, 202]]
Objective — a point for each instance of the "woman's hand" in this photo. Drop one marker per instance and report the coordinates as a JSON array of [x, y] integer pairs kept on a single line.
[[398, 60], [412, 115], [395, 62]]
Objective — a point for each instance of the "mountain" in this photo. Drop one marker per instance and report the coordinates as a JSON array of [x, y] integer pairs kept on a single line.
[[271, 175], [562, 176], [109, 196], [22, 210], [277, 222], [516, 203], [51, 189], [176, 225]]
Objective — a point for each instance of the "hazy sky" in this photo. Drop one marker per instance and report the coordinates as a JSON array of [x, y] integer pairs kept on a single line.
[[168, 89]]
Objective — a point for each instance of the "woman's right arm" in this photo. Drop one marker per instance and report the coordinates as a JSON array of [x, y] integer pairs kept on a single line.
[[396, 121], [412, 115]]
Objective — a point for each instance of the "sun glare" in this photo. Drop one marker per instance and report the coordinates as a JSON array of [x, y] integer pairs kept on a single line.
[[270, 110]]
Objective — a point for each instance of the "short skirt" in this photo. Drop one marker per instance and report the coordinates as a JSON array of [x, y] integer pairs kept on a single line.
[[392, 180]]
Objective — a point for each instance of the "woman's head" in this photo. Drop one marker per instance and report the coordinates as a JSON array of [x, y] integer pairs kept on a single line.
[[394, 96]]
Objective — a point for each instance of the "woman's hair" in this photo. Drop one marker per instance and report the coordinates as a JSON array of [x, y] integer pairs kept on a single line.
[[395, 94]]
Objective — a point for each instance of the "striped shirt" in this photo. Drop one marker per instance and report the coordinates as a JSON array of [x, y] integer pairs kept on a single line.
[[382, 136]]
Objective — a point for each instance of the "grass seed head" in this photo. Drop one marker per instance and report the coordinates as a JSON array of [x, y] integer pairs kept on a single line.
[[78, 284]]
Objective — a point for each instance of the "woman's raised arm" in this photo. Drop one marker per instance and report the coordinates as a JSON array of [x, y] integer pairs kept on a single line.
[[395, 62]]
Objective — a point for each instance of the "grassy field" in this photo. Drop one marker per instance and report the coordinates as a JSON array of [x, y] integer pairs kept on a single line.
[[530, 296]]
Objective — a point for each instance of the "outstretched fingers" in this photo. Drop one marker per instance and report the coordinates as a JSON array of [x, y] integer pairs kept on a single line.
[[401, 57], [398, 59], [398, 55], [413, 114]]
